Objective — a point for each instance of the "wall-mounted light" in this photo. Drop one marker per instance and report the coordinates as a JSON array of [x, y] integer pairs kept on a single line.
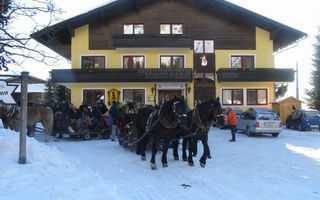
[[189, 89], [152, 90]]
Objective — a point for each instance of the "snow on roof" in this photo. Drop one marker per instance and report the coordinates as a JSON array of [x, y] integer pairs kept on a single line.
[[286, 98], [33, 88]]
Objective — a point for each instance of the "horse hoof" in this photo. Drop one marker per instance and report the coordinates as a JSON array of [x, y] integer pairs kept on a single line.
[[143, 158], [202, 165], [191, 164], [153, 166], [185, 159], [209, 156], [176, 158], [165, 164]]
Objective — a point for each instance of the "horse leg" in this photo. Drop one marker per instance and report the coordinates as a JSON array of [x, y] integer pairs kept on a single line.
[[175, 145], [164, 153], [208, 149], [195, 148], [155, 144], [184, 148], [190, 160], [205, 152]]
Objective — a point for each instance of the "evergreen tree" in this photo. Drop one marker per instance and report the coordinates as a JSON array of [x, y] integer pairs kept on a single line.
[[49, 96], [62, 93], [280, 90], [314, 92]]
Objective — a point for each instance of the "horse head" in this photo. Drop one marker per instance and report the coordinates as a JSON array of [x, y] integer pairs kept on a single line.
[[7, 113], [214, 110], [175, 109]]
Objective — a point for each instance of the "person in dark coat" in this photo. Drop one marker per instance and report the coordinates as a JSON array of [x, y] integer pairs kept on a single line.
[[103, 107], [115, 113]]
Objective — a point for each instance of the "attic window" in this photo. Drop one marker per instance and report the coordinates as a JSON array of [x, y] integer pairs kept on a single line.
[[130, 29], [175, 29], [203, 46]]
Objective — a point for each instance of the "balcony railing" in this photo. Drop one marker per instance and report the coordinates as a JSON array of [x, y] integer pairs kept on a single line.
[[255, 75], [121, 75], [152, 41]]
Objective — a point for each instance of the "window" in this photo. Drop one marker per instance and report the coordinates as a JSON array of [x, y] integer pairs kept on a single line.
[[257, 96], [204, 46], [133, 95], [133, 29], [242, 62], [93, 62], [92, 97], [232, 97], [204, 80], [172, 62], [133, 62], [175, 29]]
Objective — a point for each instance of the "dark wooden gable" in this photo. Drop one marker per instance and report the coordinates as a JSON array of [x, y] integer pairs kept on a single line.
[[198, 23]]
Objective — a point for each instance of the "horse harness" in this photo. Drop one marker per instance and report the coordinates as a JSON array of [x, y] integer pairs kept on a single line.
[[11, 113]]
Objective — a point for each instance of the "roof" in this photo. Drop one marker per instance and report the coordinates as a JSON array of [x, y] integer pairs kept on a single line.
[[31, 80], [281, 34], [285, 99]]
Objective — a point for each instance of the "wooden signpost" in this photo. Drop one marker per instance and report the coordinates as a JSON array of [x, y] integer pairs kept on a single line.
[[6, 91]]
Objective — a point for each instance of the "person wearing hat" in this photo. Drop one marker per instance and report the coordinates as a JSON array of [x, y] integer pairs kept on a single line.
[[232, 122]]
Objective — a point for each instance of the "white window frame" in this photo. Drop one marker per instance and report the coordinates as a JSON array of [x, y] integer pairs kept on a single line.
[[145, 59], [172, 54], [245, 92], [105, 93], [239, 54], [105, 58], [134, 88]]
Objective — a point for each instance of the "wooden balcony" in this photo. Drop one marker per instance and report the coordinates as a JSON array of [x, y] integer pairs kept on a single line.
[[152, 41], [121, 75], [255, 75]]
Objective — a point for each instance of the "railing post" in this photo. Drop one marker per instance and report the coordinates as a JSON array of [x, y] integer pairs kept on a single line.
[[24, 111]]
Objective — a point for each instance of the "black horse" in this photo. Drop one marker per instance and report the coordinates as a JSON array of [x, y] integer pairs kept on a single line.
[[199, 121], [159, 124]]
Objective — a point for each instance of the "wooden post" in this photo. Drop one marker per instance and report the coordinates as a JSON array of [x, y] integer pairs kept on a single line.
[[24, 110]]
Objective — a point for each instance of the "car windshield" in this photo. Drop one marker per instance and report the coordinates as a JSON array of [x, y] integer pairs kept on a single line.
[[268, 116], [312, 114]]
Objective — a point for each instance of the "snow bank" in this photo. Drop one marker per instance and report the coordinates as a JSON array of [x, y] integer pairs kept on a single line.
[[48, 174]]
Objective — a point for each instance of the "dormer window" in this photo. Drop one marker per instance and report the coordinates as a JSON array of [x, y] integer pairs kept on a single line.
[[173, 29], [133, 29]]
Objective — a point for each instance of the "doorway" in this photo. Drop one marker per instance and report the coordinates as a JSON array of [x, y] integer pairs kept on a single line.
[[168, 94]]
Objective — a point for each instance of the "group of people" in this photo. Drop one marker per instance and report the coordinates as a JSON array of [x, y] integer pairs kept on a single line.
[[95, 113]]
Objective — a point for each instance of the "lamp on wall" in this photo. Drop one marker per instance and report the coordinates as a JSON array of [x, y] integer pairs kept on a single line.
[[152, 90], [189, 89]]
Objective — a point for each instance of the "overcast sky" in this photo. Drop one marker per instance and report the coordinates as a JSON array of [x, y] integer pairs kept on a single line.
[[302, 15]]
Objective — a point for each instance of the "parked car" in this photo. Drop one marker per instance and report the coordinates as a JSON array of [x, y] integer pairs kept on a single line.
[[260, 121], [304, 119], [238, 112]]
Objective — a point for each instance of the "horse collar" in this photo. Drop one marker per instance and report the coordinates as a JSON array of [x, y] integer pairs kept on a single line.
[[13, 110]]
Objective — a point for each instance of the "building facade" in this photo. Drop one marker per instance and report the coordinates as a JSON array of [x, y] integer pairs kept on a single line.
[[145, 50]]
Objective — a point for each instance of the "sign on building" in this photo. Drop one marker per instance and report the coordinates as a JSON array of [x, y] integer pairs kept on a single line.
[[6, 91]]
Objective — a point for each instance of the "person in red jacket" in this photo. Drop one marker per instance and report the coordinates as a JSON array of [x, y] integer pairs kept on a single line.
[[232, 121]]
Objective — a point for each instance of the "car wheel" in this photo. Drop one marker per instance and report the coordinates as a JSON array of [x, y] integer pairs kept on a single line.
[[248, 132], [300, 127], [275, 134]]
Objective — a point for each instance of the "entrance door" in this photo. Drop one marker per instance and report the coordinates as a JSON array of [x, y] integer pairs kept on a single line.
[[169, 94]]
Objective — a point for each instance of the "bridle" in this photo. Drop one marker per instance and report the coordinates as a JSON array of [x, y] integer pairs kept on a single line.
[[178, 115]]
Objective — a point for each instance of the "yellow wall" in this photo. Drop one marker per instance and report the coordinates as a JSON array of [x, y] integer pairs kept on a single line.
[[80, 46], [264, 59]]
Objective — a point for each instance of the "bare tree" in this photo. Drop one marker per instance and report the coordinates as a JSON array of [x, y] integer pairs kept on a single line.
[[18, 20]]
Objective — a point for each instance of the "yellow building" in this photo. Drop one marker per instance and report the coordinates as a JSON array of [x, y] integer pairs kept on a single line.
[[146, 50]]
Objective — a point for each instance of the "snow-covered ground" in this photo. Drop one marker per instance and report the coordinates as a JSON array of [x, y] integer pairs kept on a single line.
[[255, 168]]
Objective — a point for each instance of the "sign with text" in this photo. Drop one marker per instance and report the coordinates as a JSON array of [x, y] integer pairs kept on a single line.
[[6, 91]]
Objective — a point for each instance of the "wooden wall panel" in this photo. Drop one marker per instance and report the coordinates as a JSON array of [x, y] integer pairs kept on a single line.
[[198, 24]]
